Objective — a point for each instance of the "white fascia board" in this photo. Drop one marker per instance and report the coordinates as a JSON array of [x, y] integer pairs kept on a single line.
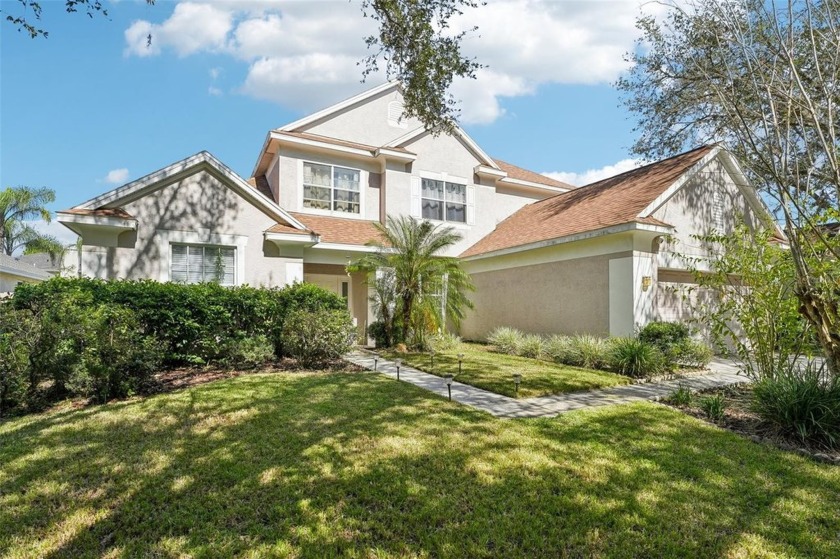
[[202, 160], [307, 142], [623, 228], [127, 224], [394, 154], [338, 107], [348, 248], [292, 238], [491, 172], [748, 190], [459, 133], [679, 183], [530, 184], [263, 150]]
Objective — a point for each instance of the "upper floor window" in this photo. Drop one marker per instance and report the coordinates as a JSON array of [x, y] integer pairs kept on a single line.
[[202, 263], [331, 188], [444, 201]]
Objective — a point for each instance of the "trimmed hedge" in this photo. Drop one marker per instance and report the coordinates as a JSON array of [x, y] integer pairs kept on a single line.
[[105, 339], [190, 321]]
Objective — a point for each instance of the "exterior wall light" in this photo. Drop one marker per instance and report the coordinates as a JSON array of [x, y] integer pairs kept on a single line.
[[448, 379], [647, 281], [517, 378]]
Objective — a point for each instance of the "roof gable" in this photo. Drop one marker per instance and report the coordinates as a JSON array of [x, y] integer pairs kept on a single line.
[[111, 201], [617, 200]]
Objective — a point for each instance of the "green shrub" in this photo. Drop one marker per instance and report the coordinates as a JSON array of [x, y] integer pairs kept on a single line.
[[531, 346], [635, 358], [559, 349], [506, 340], [443, 341], [801, 404], [713, 406], [313, 337], [589, 351], [663, 335], [379, 333], [682, 396], [16, 337], [247, 353], [689, 353]]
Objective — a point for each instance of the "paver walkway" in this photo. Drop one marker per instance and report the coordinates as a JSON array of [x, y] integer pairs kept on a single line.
[[721, 373]]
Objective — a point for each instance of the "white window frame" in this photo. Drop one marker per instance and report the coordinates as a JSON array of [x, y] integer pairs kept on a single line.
[[469, 204], [164, 239], [363, 179], [203, 248]]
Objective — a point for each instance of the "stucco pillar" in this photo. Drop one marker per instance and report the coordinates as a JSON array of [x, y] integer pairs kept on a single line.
[[621, 296]]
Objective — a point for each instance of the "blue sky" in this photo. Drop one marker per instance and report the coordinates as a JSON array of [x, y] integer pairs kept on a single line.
[[92, 107]]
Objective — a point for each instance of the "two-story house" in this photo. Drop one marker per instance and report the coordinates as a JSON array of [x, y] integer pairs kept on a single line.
[[545, 256]]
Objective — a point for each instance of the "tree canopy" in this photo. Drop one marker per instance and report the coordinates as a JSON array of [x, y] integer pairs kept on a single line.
[[762, 78]]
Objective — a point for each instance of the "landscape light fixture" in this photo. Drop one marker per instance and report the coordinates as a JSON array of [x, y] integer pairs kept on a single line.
[[398, 362], [448, 379], [375, 360], [517, 378], [460, 360]]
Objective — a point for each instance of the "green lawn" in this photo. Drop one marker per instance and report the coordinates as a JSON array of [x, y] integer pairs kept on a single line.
[[360, 465], [492, 371]]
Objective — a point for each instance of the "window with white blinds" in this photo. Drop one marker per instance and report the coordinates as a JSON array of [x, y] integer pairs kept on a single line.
[[444, 201], [201, 263]]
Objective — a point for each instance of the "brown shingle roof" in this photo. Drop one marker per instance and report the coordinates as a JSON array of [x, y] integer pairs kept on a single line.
[[283, 228], [105, 212], [613, 201], [340, 229], [519, 173]]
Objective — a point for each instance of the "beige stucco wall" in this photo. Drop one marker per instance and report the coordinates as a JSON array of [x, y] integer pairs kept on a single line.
[[365, 123], [692, 212], [198, 206], [562, 297], [8, 281]]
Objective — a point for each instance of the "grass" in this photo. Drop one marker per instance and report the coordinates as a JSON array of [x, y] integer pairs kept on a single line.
[[359, 465], [493, 371]]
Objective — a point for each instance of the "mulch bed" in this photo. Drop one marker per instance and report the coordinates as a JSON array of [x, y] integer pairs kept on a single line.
[[739, 418]]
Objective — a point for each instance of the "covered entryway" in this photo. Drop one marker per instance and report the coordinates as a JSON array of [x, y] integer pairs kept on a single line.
[[352, 288]]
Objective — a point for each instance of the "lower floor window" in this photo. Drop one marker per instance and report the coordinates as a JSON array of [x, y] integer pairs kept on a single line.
[[202, 263]]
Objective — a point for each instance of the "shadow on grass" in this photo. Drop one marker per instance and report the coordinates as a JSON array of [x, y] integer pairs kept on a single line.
[[360, 465]]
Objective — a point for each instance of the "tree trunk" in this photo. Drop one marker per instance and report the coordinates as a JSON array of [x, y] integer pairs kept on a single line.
[[824, 315]]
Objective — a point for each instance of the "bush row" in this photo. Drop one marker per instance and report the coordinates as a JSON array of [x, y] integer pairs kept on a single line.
[[105, 339], [661, 349]]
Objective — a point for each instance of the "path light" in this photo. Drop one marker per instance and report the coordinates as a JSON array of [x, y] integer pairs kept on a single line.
[[398, 362], [448, 379], [460, 360], [517, 378], [432, 355], [375, 360]]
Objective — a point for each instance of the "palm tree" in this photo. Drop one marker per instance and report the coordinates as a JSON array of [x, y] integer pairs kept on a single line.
[[428, 289], [16, 206]]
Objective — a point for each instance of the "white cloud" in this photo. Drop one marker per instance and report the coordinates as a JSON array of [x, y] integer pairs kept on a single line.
[[215, 73], [214, 91], [116, 176], [306, 54], [64, 235], [593, 175]]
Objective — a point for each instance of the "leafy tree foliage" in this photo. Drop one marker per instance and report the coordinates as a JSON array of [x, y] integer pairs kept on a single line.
[[16, 206], [427, 289], [762, 78]]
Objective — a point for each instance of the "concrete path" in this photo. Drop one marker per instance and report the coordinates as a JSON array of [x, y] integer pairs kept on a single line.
[[721, 373]]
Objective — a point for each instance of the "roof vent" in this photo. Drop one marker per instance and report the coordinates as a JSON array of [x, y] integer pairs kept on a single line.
[[395, 114]]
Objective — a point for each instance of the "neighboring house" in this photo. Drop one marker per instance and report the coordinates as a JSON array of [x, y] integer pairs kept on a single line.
[[545, 256], [14, 271], [44, 261]]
